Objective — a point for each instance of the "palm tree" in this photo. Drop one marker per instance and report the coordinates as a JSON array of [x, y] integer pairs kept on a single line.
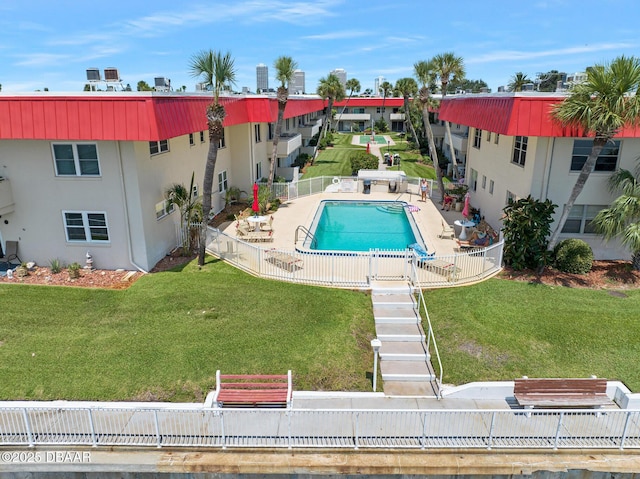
[[607, 101], [407, 88], [353, 85], [447, 66], [424, 72], [285, 67], [386, 88], [518, 81], [218, 72], [331, 89], [622, 218]]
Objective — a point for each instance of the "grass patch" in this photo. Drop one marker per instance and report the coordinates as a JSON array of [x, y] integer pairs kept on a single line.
[[165, 336], [484, 333]]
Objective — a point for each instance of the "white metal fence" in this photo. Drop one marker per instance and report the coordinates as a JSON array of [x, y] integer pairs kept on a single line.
[[305, 428], [354, 269]]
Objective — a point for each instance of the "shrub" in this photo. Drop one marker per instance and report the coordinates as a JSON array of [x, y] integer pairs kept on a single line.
[[526, 226], [573, 256], [361, 160]]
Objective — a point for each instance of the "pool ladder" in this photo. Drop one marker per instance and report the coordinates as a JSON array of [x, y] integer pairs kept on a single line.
[[307, 234]]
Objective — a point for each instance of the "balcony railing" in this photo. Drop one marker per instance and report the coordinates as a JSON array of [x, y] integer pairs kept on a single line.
[[288, 143]]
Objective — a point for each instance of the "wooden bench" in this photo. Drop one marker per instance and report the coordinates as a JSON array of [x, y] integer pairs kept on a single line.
[[253, 390], [549, 393]]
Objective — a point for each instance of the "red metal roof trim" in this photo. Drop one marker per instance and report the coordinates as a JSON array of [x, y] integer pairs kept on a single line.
[[512, 115], [131, 117]]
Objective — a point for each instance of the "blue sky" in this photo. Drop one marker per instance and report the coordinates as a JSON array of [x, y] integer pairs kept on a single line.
[[52, 43]]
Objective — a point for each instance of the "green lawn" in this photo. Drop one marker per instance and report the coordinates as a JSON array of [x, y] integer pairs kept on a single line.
[[502, 329], [166, 335], [335, 161]]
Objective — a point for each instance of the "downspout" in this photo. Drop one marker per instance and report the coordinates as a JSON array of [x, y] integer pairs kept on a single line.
[[126, 209], [547, 175]]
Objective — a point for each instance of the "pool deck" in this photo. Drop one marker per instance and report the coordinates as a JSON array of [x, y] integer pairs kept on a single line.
[[301, 211]]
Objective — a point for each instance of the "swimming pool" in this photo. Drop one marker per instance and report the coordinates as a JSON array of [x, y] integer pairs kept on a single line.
[[362, 226]]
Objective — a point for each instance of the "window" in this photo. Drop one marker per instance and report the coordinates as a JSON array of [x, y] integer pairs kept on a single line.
[[607, 160], [491, 187], [484, 182], [520, 150], [258, 171], [256, 133], [164, 208], [222, 181], [287, 124], [488, 136], [202, 137], [222, 143], [194, 192], [477, 138], [86, 226], [580, 219], [474, 180], [495, 138], [271, 131], [156, 147], [76, 159], [511, 197], [191, 140]]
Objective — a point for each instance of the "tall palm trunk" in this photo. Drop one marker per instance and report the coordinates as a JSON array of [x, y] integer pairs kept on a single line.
[[447, 129], [598, 143], [424, 102], [343, 109], [407, 119], [283, 97], [215, 118], [327, 123]]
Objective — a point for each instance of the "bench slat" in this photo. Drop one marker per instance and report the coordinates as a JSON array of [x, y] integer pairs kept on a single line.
[[556, 392], [253, 390]]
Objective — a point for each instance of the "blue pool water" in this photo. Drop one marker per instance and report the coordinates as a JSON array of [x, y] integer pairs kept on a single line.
[[361, 226]]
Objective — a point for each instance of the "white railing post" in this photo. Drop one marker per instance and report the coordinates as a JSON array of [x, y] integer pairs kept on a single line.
[[493, 422], [94, 439], [224, 438], [624, 430], [27, 423], [356, 432], [157, 422], [555, 442]]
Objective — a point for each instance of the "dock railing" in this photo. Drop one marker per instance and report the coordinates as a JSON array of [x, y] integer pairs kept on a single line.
[[174, 426]]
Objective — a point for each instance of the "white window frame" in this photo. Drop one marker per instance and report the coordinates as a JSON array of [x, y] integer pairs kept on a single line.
[[76, 160], [488, 136], [192, 140], [585, 217], [85, 225], [202, 138], [477, 138], [223, 183], [222, 142], [258, 171], [162, 146], [496, 138], [520, 146], [164, 208], [256, 133], [484, 182], [491, 185]]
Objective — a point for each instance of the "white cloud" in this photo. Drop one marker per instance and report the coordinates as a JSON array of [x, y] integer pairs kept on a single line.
[[337, 35], [512, 55]]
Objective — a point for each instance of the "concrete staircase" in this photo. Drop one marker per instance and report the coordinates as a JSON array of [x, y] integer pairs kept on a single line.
[[405, 363]]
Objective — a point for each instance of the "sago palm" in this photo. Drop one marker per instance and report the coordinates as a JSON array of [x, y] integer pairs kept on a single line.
[[447, 66], [330, 89], [424, 72], [285, 68], [217, 72], [622, 218], [600, 107]]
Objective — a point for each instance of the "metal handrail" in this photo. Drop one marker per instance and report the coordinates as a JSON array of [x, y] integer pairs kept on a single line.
[[307, 234], [430, 335]]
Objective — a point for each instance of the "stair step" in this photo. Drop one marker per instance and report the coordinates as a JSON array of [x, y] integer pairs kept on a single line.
[[390, 287], [393, 300], [393, 315], [399, 332], [403, 351], [405, 371]]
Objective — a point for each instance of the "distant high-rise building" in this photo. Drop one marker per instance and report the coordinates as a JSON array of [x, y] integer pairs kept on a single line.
[[297, 85], [262, 78], [376, 84], [341, 74]]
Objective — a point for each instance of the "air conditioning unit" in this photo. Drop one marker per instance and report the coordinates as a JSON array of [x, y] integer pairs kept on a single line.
[[93, 74], [111, 74], [162, 84]]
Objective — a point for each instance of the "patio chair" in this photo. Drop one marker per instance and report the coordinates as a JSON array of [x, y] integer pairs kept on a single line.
[[10, 253], [447, 230], [268, 226]]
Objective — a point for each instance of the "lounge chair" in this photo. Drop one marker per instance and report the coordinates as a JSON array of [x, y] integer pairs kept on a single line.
[[268, 226], [10, 253], [447, 230]]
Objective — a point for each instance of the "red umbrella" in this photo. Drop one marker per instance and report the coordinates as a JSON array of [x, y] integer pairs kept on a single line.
[[255, 207]]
